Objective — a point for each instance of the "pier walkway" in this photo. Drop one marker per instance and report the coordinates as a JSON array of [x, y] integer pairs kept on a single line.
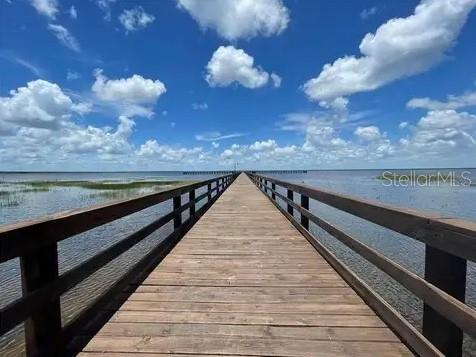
[[240, 270], [244, 281]]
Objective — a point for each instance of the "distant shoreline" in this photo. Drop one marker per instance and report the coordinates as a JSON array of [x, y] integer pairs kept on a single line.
[[181, 171]]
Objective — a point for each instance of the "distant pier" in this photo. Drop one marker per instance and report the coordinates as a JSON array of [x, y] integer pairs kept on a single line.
[[279, 172], [227, 172]]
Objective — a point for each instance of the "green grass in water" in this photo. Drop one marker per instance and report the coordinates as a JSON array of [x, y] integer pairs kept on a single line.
[[109, 190], [100, 185], [10, 200]]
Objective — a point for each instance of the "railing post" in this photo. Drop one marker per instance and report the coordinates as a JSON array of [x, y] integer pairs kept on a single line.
[[448, 273], [290, 196], [43, 328], [273, 187], [209, 189], [178, 217], [305, 205], [191, 198], [265, 186]]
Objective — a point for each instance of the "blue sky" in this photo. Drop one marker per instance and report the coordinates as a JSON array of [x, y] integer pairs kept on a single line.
[[187, 84]]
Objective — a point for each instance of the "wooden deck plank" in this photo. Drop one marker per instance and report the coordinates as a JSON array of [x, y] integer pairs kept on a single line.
[[260, 331], [244, 281], [249, 318], [205, 344]]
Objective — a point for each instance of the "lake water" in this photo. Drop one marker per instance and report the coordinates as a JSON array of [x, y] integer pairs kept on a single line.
[[457, 201]]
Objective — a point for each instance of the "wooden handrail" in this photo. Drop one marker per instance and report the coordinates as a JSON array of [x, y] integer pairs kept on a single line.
[[35, 242], [446, 315], [17, 239], [408, 333], [461, 314], [452, 235]]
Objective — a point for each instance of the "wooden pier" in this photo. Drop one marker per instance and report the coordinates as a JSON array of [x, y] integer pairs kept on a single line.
[[211, 173], [241, 276], [244, 281]]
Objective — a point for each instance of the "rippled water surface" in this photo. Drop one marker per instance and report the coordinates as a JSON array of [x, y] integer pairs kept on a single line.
[[457, 201]]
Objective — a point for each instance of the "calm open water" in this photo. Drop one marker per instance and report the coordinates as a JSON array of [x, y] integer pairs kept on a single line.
[[446, 199]]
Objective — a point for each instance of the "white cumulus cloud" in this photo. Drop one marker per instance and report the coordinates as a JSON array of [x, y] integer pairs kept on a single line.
[[443, 132], [40, 104], [368, 133], [48, 8], [400, 48], [234, 19], [165, 153], [132, 90], [403, 125], [135, 19], [264, 145], [467, 99], [105, 6], [366, 13], [40, 118], [230, 65]]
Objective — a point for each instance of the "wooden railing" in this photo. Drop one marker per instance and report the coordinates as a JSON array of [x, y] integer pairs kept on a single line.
[[449, 244], [35, 243]]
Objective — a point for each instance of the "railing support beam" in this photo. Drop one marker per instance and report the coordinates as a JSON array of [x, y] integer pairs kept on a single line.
[[305, 205], [177, 202], [43, 328], [191, 197], [273, 187], [291, 197], [448, 273]]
